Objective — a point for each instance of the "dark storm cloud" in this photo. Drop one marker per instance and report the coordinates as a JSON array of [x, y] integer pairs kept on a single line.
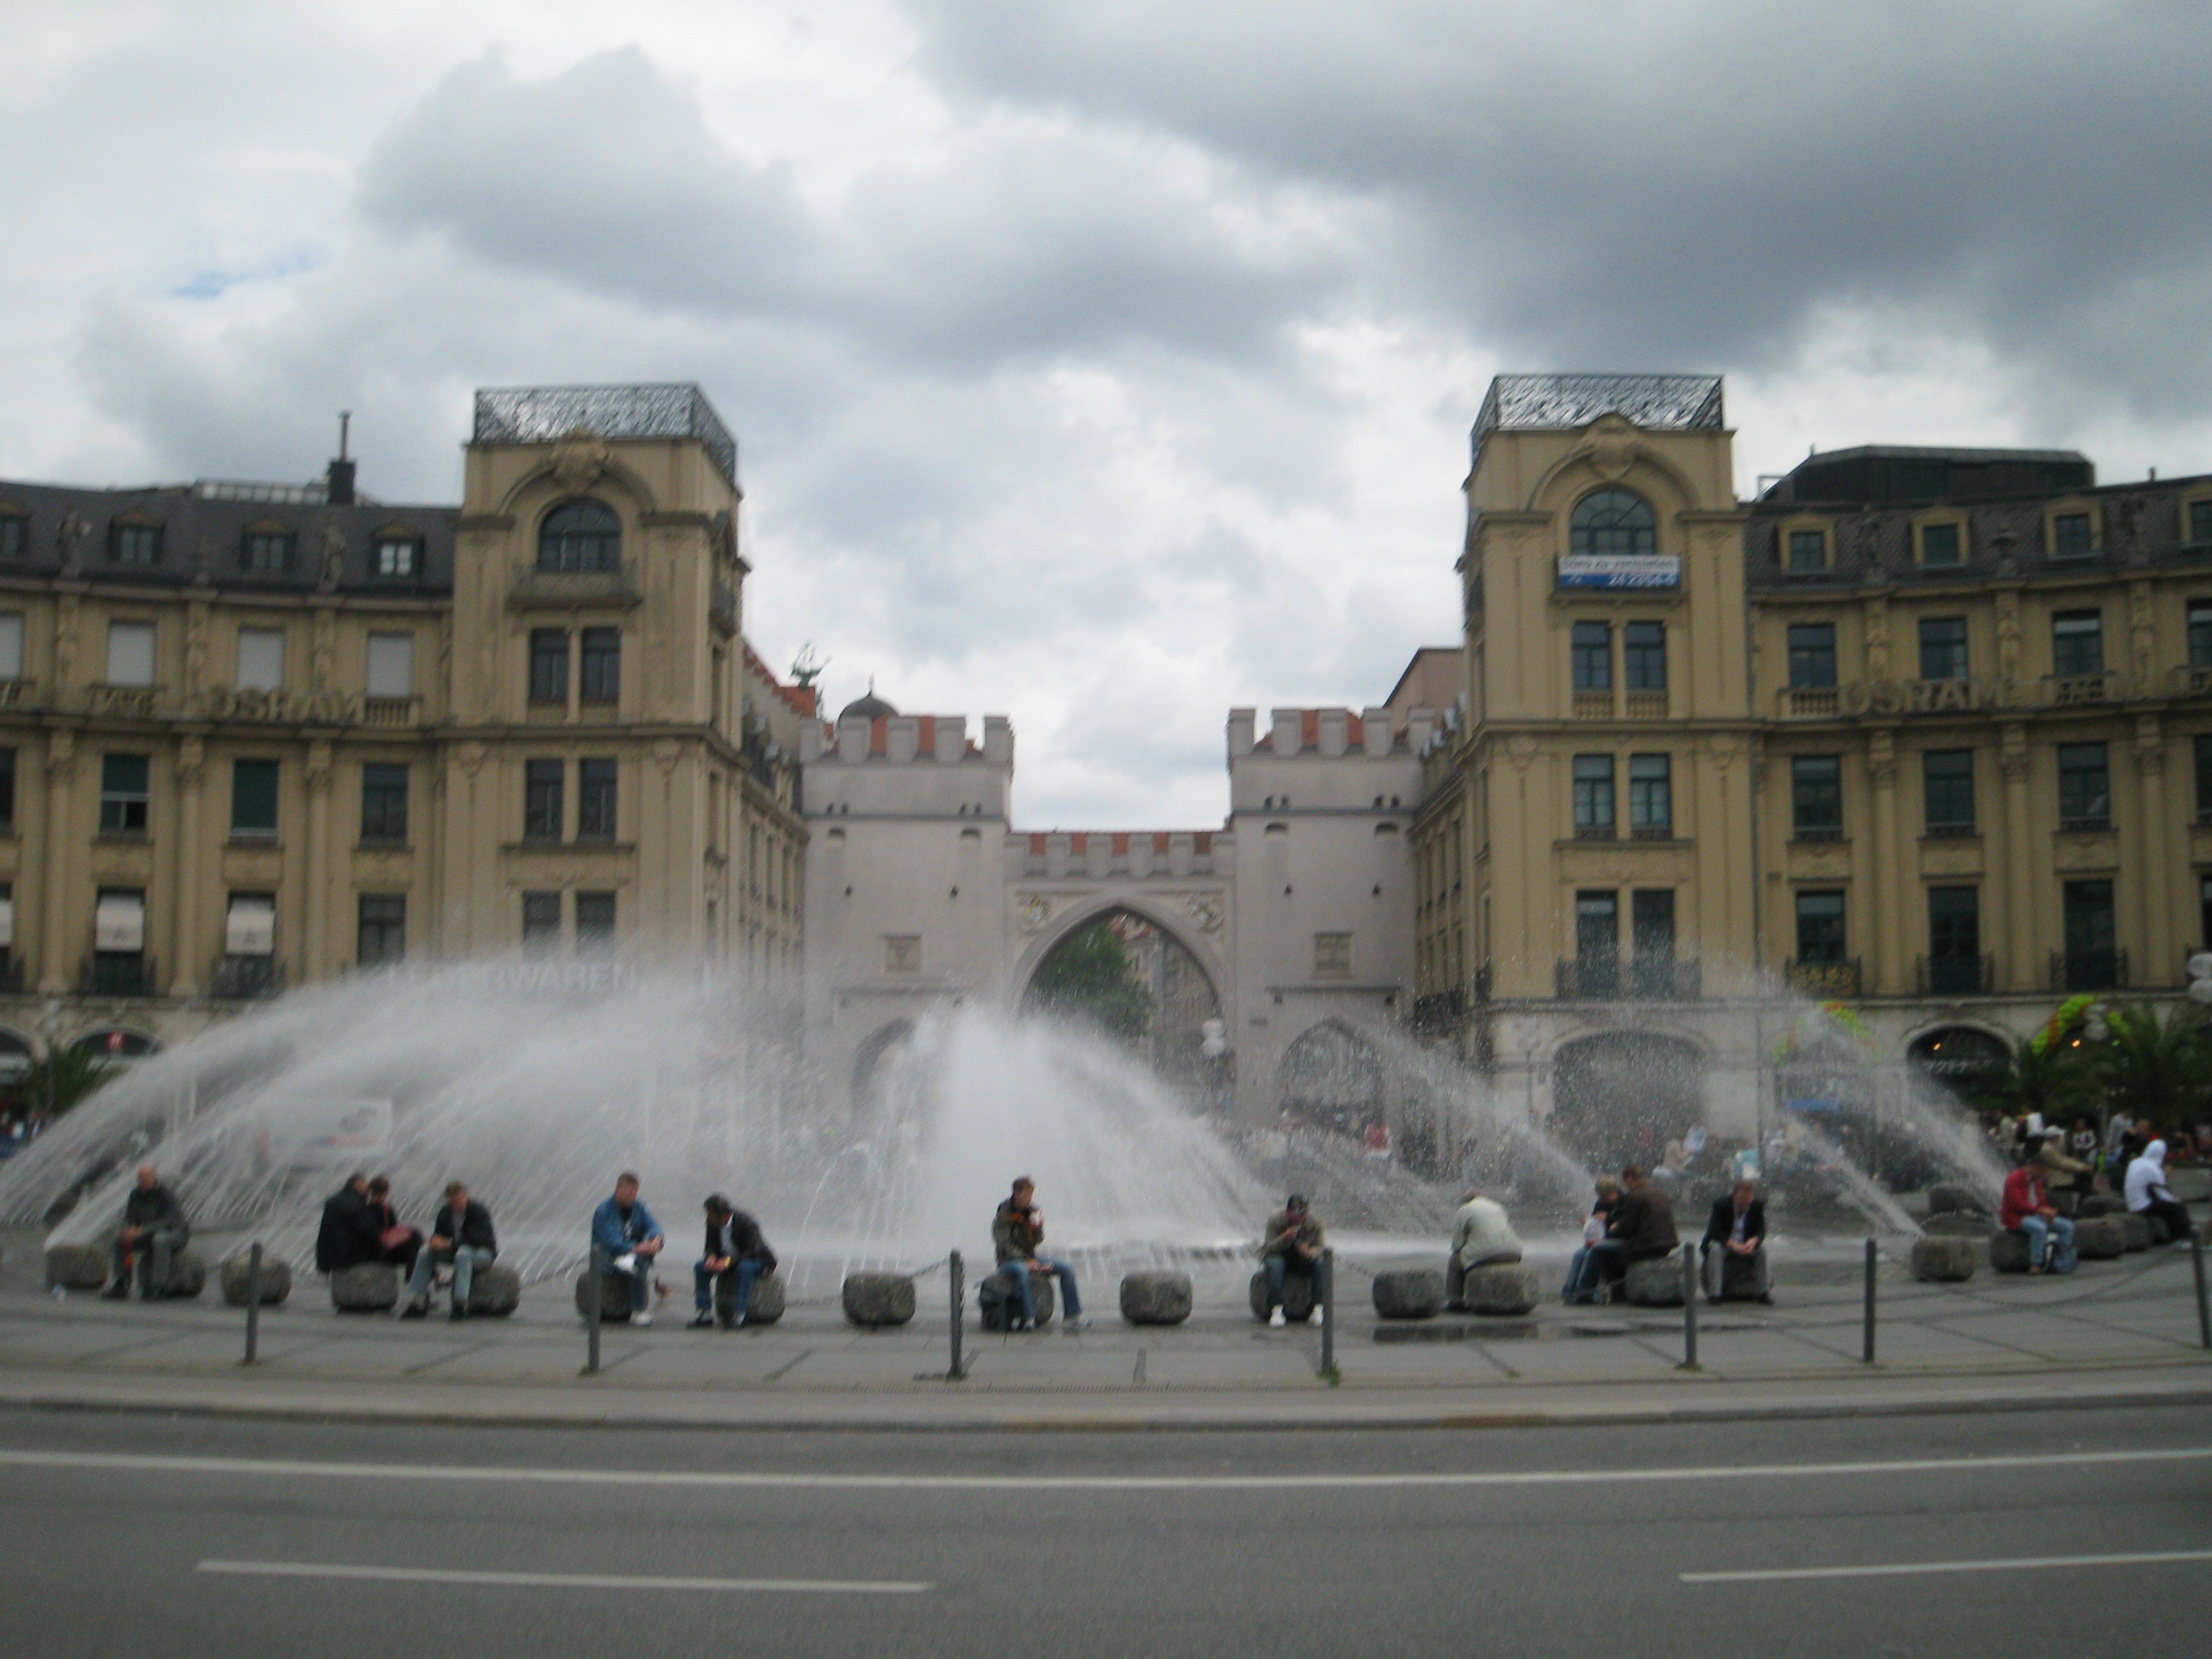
[[1646, 186], [1008, 244]]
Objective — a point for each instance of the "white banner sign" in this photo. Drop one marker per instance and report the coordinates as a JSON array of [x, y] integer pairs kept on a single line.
[[1620, 570]]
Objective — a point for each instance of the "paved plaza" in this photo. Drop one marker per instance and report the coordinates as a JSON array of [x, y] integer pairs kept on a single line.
[[2113, 1326]]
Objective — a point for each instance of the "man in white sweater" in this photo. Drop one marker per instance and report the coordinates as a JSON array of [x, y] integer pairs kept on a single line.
[[1481, 1236]]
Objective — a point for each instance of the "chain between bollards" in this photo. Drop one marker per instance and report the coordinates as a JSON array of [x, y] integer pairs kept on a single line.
[[1866, 1353], [956, 1277], [253, 1303], [1328, 1314], [2203, 1308], [593, 1311], [1689, 1307]]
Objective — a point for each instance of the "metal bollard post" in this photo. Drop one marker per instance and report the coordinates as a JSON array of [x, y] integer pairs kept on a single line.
[[594, 1289], [957, 1277], [253, 1303], [2203, 1308], [1689, 1307], [1867, 1349], [1328, 1312]]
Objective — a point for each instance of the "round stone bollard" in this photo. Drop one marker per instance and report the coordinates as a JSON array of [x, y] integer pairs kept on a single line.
[[765, 1306], [2102, 1238], [373, 1287], [1409, 1293], [875, 1300], [1156, 1296], [2007, 1252], [2103, 1204], [76, 1266], [1502, 1288], [1949, 1198], [998, 1303], [1300, 1292], [495, 1291], [1942, 1261], [1655, 1283], [275, 1280], [614, 1297], [187, 1277], [2138, 1231]]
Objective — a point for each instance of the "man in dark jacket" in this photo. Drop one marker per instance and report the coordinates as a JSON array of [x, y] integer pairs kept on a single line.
[[1643, 1221], [1016, 1229], [154, 1230], [349, 1231], [1736, 1230], [736, 1249], [460, 1233], [1291, 1243]]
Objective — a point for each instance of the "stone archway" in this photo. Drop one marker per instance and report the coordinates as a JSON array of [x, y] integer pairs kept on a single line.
[[1331, 1079], [1958, 1058], [1619, 1096], [1120, 970], [876, 1059]]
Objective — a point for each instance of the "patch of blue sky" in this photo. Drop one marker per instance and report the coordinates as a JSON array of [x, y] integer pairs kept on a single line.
[[212, 284]]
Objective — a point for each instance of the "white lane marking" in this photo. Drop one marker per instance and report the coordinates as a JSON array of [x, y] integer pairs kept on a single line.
[[559, 1580], [1907, 1569], [137, 1462]]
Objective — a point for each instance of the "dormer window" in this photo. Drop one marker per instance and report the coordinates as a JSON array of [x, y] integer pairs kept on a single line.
[[581, 535], [15, 533], [2070, 530], [395, 556], [1613, 521], [1943, 543], [265, 550], [1807, 552], [134, 541]]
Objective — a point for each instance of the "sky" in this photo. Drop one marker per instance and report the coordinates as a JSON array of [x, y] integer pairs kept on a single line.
[[1103, 365]]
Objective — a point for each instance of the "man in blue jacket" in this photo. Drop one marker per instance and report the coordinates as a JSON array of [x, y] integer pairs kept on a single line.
[[628, 1239]]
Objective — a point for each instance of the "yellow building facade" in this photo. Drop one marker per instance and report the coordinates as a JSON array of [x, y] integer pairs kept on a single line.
[[257, 737], [1927, 732]]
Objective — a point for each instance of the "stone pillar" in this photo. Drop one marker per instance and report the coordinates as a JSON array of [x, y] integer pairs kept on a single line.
[[184, 932], [2157, 884], [315, 949], [2021, 971], [1886, 911], [57, 970]]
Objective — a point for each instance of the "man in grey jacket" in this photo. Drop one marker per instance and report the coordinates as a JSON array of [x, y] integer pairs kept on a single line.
[[154, 1230], [1482, 1237]]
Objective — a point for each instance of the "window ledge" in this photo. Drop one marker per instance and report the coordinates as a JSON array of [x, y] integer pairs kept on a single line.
[[365, 845], [1819, 838], [123, 837], [1952, 832], [594, 847], [259, 843], [2085, 826]]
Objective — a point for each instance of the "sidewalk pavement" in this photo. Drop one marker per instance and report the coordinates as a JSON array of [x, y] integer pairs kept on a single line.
[[2115, 1332]]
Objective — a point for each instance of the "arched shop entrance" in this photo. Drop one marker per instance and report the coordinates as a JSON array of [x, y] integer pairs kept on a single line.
[[1124, 974], [1620, 1096]]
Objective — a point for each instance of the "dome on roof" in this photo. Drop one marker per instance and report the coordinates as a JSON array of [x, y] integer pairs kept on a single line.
[[869, 707]]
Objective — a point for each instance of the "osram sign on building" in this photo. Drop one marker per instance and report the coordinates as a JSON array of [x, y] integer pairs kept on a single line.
[[1620, 570]]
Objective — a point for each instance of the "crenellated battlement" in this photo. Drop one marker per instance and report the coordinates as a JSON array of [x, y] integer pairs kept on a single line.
[[1101, 854], [1331, 733], [903, 739]]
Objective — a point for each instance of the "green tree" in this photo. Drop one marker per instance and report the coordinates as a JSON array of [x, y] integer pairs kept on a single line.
[[62, 1078], [1090, 978], [2156, 1069], [2056, 1078]]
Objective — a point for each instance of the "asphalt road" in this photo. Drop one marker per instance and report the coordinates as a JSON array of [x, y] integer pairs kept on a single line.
[[291, 1539]]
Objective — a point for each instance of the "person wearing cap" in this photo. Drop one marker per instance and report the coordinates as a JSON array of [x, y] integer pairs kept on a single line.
[[735, 1248], [1481, 1238], [1291, 1245], [1017, 1230]]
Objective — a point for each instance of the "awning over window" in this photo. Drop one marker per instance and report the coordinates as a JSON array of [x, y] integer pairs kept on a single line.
[[119, 922], [250, 927]]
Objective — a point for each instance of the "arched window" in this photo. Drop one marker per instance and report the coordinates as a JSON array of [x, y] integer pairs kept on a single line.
[[580, 535], [1613, 521]]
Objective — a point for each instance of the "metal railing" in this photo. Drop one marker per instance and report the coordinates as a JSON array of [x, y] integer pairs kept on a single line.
[[1665, 979], [532, 586], [1836, 982], [1587, 979], [2088, 971], [118, 974], [1955, 977], [244, 978]]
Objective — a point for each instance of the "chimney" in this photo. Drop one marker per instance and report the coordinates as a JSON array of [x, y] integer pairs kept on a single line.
[[338, 483]]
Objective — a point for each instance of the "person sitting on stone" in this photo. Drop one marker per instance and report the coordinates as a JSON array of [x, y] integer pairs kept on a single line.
[[1737, 1228], [396, 1241], [736, 1250], [347, 1236], [1292, 1244], [461, 1235], [2148, 1195], [154, 1230], [1643, 1222], [2060, 1172], [1587, 1271], [628, 1239], [1017, 1230], [1482, 1236], [2024, 1208]]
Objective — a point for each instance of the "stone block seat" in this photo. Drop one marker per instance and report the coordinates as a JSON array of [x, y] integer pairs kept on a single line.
[[372, 1287], [614, 1298], [765, 1307], [1944, 1261], [1654, 1284], [1300, 1292], [1949, 1197], [1503, 1289], [1156, 1296], [235, 1271], [495, 1291], [2008, 1251], [998, 1303], [2102, 1204], [872, 1301], [1739, 1278], [76, 1266], [1408, 1293], [2141, 1235], [2102, 1238]]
